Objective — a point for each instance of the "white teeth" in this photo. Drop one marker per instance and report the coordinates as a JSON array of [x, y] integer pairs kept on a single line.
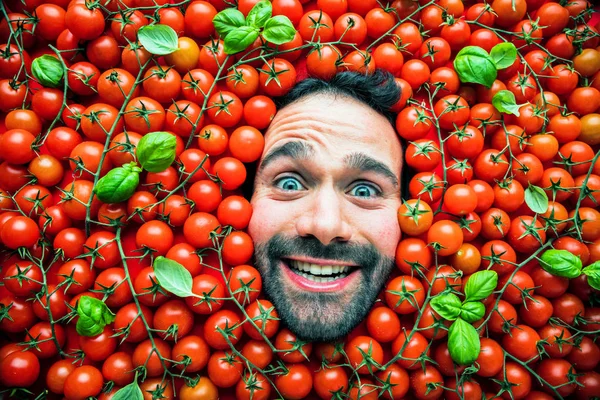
[[318, 269], [309, 271], [303, 266], [319, 279], [315, 269]]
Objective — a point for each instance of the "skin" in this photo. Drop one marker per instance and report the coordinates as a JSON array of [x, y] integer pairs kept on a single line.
[[326, 211]]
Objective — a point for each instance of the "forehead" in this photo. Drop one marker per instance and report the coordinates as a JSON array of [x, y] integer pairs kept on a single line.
[[336, 124]]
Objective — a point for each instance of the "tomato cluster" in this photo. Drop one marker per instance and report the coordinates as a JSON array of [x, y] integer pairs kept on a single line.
[[492, 187]]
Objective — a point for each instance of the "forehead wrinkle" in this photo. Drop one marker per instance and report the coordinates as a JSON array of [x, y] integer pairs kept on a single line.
[[333, 121], [323, 118], [304, 123]]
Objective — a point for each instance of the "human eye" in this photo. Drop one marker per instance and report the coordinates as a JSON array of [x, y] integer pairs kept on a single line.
[[289, 183], [365, 190]]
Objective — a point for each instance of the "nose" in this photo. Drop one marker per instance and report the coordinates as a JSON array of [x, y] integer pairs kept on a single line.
[[325, 218]]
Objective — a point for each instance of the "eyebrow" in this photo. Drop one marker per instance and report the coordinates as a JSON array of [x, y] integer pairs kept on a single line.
[[301, 151], [295, 150], [366, 163]]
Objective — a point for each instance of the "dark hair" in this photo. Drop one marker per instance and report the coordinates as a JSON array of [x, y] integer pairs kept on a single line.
[[378, 90]]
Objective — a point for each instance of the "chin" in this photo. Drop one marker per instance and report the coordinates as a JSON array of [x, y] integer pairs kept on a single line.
[[322, 316]]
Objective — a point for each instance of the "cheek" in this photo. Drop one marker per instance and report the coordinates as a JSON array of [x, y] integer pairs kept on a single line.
[[268, 219], [381, 229]]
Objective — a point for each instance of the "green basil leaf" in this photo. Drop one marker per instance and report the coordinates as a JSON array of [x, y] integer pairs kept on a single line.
[[504, 55], [129, 392], [173, 277], [473, 64], [447, 305], [472, 311], [593, 274], [561, 263], [93, 315], [239, 39], [505, 102], [279, 30], [158, 39], [227, 20], [260, 14], [536, 199], [47, 70], [156, 151], [463, 342], [118, 184], [480, 285]]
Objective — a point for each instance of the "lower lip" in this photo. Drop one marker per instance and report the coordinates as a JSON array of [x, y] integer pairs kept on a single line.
[[312, 286]]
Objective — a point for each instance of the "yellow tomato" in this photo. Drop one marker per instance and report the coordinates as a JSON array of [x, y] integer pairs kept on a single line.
[[185, 58], [587, 63], [590, 129]]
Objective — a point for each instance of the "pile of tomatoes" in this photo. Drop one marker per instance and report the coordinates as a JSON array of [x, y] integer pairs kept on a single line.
[[476, 175]]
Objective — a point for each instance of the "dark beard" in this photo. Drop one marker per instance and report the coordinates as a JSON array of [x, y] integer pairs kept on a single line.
[[321, 316]]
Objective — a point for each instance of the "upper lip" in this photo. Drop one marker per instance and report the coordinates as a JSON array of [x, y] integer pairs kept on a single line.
[[321, 261]]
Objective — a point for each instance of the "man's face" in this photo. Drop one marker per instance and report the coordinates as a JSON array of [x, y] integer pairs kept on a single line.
[[326, 194]]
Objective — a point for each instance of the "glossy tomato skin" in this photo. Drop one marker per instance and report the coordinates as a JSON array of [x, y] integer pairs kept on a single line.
[[85, 23], [52, 21], [118, 368], [173, 314], [325, 380], [258, 352], [422, 379], [590, 382], [196, 349], [129, 317], [19, 231], [518, 375], [585, 356], [297, 383], [555, 372], [148, 354], [224, 369], [416, 347], [19, 369], [57, 375], [83, 382], [221, 319], [521, 342], [100, 347]]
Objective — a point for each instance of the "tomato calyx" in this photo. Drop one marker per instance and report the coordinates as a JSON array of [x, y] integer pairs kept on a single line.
[[272, 73], [21, 275], [461, 133], [237, 77], [461, 165], [143, 112], [406, 295], [425, 148], [222, 105], [431, 51], [180, 112], [317, 24], [160, 72], [414, 211]]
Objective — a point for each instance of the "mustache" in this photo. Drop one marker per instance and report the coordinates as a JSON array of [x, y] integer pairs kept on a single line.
[[362, 255]]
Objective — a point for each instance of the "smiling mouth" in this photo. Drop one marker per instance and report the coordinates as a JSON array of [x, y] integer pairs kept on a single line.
[[318, 273]]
